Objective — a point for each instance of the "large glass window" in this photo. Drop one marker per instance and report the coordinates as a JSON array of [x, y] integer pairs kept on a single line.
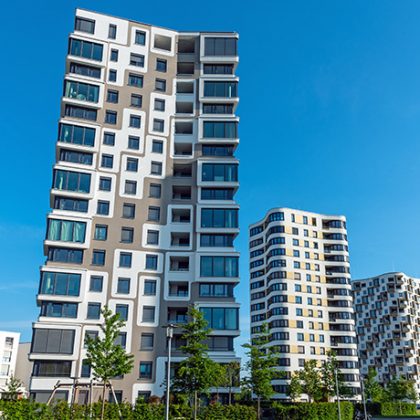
[[54, 283], [81, 112], [71, 181], [218, 68], [216, 290], [216, 240], [65, 255], [66, 230], [217, 172], [76, 134], [85, 70], [82, 91], [71, 204], [217, 108], [220, 129], [221, 318], [59, 309], [221, 89], [84, 25], [46, 340], [72, 156], [219, 218], [53, 368], [220, 46], [85, 49], [218, 266], [217, 193]]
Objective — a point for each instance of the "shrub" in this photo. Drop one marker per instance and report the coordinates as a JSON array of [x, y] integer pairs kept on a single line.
[[313, 411], [397, 408], [228, 412]]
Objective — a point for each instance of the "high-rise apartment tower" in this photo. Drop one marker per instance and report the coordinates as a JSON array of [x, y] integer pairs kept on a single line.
[[388, 326], [300, 287], [143, 204]]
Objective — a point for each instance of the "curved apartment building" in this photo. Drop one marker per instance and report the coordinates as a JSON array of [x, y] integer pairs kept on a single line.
[[143, 215], [300, 287]]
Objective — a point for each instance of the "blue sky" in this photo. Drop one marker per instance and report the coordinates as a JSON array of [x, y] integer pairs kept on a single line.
[[330, 122]]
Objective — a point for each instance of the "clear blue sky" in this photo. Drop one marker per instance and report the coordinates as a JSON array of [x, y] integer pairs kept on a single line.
[[330, 122]]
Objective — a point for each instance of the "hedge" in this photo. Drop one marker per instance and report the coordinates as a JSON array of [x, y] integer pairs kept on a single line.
[[228, 412], [313, 411], [398, 408]]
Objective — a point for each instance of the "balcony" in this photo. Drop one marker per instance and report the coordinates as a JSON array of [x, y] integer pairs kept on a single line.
[[181, 216], [177, 264], [177, 315], [183, 150], [182, 170], [180, 239], [178, 289], [181, 192]]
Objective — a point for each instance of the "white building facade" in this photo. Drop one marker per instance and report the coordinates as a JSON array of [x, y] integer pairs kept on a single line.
[[388, 326], [9, 346], [300, 287], [143, 214]]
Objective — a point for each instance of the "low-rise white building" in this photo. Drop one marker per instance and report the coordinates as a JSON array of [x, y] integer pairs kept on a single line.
[[9, 345]]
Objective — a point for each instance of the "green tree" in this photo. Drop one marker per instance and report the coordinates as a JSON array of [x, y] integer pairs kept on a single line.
[[374, 391], [310, 381], [328, 379], [106, 358], [13, 385], [261, 366], [197, 372], [295, 387], [399, 389], [232, 377]]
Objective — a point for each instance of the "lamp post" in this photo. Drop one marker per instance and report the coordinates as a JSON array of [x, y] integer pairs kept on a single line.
[[362, 386], [338, 394], [169, 335]]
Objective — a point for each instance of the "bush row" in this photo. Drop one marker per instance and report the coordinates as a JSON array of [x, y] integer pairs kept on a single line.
[[397, 408], [313, 411]]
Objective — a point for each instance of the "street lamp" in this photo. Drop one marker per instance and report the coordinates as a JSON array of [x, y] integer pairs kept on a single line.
[[338, 394], [362, 386], [169, 335]]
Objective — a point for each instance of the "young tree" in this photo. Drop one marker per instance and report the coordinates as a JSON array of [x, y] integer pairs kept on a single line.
[[13, 385], [328, 379], [295, 387], [197, 372], [399, 389], [232, 377], [261, 366], [373, 389], [106, 358], [310, 381]]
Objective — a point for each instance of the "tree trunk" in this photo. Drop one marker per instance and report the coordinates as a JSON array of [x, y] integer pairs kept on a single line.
[[103, 401], [195, 405], [259, 408]]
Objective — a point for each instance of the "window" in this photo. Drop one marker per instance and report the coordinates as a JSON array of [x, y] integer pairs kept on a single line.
[[85, 49], [93, 311], [59, 309], [127, 235], [111, 117], [65, 255], [140, 38], [216, 240], [85, 25], [220, 266], [129, 211], [98, 257], [136, 60], [217, 108], [220, 129], [112, 76], [81, 91], [161, 65], [146, 341], [159, 105], [105, 183], [155, 190], [125, 259], [107, 161], [66, 230], [157, 146], [51, 368], [221, 318], [85, 369], [151, 262], [76, 134], [122, 310], [52, 341], [150, 287], [148, 314], [136, 101], [114, 55], [158, 125], [123, 285], [145, 370], [153, 214], [109, 139], [218, 68], [134, 143], [300, 337], [84, 70], [96, 283], [135, 121], [216, 290], [162, 42], [112, 31], [152, 237], [156, 168], [121, 340], [132, 164], [219, 172], [217, 194], [64, 284], [112, 96], [80, 112], [221, 89], [130, 187], [101, 232], [160, 85], [220, 46], [135, 80], [219, 218], [103, 208]]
